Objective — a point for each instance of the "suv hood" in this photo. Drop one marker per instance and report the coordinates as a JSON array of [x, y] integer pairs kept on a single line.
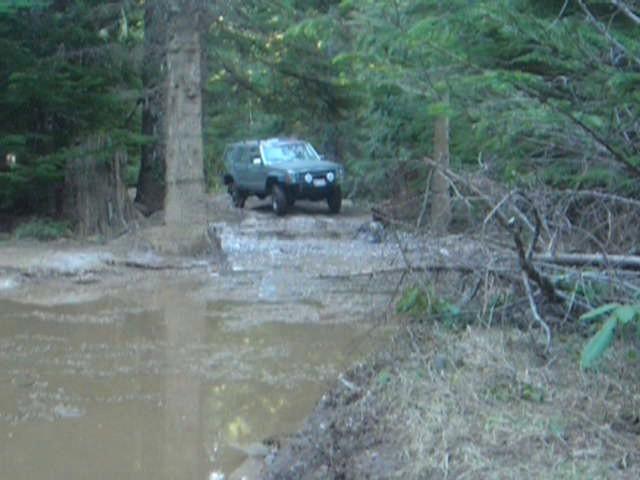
[[310, 166]]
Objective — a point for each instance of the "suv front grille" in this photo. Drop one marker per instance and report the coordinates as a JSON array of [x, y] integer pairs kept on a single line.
[[316, 175]]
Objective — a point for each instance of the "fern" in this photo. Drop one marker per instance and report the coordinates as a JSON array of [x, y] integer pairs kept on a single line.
[[618, 316]]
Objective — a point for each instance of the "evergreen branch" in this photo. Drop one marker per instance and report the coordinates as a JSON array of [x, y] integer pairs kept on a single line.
[[620, 157], [242, 81], [617, 155]]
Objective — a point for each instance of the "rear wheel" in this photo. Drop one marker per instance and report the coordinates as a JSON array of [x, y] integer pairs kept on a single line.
[[334, 200], [278, 200], [238, 197]]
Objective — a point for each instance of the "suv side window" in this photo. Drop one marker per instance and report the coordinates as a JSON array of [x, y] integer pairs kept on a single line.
[[248, 154], [254, 152], [231, 154], [241, 156]]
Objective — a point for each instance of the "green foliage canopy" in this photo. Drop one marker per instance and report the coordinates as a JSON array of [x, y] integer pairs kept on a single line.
[[61, 79]]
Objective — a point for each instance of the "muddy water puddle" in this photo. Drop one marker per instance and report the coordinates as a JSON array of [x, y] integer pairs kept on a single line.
[[168, 378]]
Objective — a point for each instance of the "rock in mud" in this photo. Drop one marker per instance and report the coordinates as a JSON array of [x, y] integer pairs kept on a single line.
[[67, 411], [372, 232], [9, 283]]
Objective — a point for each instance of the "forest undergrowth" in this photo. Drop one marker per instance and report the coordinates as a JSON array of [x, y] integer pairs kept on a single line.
[[485, 377]]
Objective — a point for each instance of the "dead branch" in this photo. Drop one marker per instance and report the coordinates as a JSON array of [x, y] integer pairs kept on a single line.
[[508, 273], [545, 285], [425, 200], [534, 310], [622, 262], [624, 8]]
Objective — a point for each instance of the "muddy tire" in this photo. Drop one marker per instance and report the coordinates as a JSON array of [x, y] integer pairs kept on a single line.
[[238, 197], [278, 200], [334, 200]]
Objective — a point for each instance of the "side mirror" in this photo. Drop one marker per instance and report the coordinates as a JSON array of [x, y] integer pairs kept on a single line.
[[256, 161], [323, 158]]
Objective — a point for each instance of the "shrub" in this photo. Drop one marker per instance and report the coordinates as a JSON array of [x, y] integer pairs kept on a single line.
[[43, 229]]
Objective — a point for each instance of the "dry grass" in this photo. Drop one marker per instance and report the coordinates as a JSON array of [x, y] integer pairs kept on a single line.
[[476, 404], [483, 404]]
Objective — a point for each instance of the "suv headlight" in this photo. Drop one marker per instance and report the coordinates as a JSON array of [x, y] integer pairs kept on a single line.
[[331, 177]]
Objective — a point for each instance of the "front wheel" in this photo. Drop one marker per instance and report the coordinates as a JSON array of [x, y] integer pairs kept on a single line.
[[334, 200], [238, 197], [278, 200]]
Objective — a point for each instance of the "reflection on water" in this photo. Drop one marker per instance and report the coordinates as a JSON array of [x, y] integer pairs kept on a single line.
[[167, 381]]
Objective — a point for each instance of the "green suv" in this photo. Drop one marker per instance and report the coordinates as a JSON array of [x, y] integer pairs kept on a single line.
[[285, 169]]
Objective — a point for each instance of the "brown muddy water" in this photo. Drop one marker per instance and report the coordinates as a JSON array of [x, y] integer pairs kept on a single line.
[[112, 372], [167, 375]]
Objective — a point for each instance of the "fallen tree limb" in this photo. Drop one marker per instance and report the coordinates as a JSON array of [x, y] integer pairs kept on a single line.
[[507, 272], [524, 254], [624, 262]]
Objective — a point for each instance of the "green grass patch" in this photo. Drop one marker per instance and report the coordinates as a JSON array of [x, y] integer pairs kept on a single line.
[[43, 229]]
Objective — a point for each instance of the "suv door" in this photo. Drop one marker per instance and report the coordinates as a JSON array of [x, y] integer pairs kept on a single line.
[[239, 165], [255, 172]]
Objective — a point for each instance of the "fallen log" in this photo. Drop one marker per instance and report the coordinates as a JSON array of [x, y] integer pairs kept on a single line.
[[623, 262], [437, 268]]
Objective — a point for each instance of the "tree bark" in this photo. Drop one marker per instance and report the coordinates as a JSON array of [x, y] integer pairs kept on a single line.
[[440, 211], [172, 170], [184, 198], [96, 198]]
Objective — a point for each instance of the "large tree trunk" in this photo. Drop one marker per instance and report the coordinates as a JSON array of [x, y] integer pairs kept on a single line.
[[175, 116], [172, 167], [151, 181], [440, 211], [184, 200], [96, 198]]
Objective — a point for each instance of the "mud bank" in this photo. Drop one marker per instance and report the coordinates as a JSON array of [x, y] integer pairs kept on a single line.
[[480, 403]]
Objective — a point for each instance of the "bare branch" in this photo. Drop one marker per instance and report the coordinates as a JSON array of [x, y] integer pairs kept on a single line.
[[425, 200], [534, 310], [600, 26], [562, 10], [624, 262], [624, 8]]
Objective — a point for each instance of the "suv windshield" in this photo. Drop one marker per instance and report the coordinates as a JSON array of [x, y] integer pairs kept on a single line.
[[289, 152]]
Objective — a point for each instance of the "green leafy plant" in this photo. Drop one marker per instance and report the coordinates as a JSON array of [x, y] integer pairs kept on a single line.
[[414, 302], [419, 302], [616, 316]]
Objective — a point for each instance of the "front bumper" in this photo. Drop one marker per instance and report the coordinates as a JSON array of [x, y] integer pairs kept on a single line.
[[305, 191]]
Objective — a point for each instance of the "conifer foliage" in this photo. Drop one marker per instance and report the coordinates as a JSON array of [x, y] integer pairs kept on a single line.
[[65, 70], [533, 91]]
